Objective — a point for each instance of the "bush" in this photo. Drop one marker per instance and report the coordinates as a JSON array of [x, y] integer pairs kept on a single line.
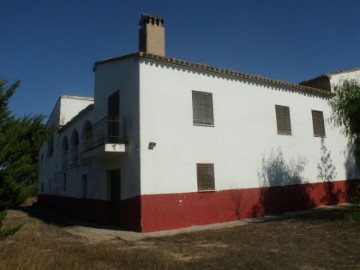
[[355, 198], [2, 216], [7, 230]]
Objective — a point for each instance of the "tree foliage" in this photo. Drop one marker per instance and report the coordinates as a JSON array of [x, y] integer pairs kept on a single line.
[[346, 113], [20, 140]]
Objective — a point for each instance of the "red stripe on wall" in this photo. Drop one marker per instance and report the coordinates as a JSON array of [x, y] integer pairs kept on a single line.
[[169, 211]]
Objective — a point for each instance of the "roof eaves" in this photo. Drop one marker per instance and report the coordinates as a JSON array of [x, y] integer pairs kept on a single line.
[[216, 70], [236, 74], [114, 59], [316, 78], [328, 75], [344, 71]]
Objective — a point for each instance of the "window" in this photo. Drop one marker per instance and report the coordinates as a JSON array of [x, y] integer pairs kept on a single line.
[[283, 120], [50, 145], [87, 135], [318, 123], [205, 177], [202, 108]]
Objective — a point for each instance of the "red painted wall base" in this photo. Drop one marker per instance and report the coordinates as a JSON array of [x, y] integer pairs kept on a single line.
[[169, 211]]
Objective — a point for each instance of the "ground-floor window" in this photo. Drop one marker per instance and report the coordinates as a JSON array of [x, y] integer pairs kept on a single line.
[[205, 176]]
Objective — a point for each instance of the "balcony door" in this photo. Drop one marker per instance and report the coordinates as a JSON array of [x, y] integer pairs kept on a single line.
[[113, 117], [114, 104]]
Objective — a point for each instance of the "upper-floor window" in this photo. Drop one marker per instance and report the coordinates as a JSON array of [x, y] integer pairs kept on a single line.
[[202, 108], [318, 123], [205, 176], [283, 120]]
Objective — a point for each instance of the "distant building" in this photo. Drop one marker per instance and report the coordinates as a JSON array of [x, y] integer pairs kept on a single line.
[[167, 143]]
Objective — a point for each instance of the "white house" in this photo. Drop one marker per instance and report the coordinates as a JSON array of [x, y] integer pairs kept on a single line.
[[167, 143]]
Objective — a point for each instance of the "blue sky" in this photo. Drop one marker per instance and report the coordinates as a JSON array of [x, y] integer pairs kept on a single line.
[[51, 45]]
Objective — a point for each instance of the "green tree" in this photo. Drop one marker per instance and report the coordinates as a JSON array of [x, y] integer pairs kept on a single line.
[[346, 113], [20, 140]]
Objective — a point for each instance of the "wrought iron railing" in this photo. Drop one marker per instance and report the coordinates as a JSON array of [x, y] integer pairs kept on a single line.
[[111, 129]]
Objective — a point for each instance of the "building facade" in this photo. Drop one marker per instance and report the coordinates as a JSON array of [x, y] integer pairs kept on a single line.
[[168, 143]]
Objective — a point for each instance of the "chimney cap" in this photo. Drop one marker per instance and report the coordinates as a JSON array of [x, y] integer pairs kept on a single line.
[[146, 18]]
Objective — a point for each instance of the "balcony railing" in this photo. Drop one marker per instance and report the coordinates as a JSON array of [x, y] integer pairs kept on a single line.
[[111, 129]]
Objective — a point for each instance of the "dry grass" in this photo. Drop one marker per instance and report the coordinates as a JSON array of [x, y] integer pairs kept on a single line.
[[318, 241]]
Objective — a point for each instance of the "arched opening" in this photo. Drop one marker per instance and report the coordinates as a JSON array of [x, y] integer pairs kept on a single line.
[[75, 147], [87, 136]]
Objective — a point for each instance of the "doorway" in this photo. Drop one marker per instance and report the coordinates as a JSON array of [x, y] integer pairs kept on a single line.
[[115, 196]]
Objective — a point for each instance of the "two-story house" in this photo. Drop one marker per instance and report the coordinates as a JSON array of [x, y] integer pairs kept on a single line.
[[167, 143]]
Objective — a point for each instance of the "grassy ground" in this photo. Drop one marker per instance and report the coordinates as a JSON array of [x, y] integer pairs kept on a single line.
[[326, 240]]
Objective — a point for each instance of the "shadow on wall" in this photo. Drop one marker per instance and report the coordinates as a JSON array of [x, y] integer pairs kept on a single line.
[[327, 173], [351, 173], [235, 198], [283, 187], [350, 164]]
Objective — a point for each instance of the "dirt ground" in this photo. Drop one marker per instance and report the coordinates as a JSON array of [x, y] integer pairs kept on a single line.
[[316, 240]]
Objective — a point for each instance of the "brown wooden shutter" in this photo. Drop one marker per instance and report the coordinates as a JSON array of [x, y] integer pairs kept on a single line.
[[205, 177], [283, 120], [318, 123], [202, 108]]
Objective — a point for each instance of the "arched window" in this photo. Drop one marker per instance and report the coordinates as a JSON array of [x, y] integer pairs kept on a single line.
[[87, 135], [75, 147]]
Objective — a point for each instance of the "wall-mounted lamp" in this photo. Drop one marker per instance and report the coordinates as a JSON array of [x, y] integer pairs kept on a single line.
[[152, 145]]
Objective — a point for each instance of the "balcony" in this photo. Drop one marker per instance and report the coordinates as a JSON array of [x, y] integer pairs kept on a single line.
[[105, 138]]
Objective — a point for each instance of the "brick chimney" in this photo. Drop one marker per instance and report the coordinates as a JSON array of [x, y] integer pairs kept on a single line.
[[152, 35]]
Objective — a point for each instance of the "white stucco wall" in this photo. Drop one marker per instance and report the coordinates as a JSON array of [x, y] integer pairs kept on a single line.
[[336, 79], [123, 76], [245, 130], [71, 106], [65, 109], [108, 78], [156, 100]]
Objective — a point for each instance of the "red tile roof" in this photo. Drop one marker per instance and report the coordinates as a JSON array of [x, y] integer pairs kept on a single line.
[[216, 70]]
